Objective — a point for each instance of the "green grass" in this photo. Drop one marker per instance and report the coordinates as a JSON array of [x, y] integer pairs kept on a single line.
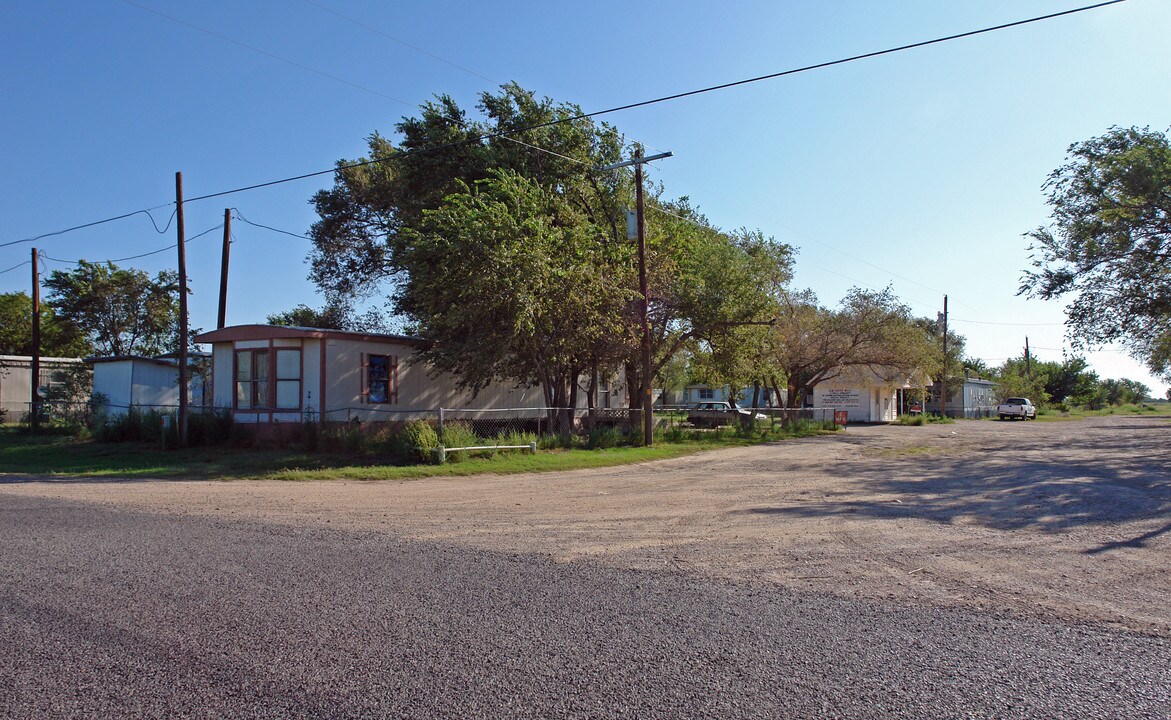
[[1156, 409], [922, 419], [58, 455]]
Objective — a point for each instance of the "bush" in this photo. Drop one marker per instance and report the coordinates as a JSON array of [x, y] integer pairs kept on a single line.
[[134, 426], [457, 435], [420, 440], [210, 429], [606, 437]]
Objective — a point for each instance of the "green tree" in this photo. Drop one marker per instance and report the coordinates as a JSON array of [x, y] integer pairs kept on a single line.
[[1017, 378], [1069, 380], [359, 240], [510, 253], [509, 281], [713, 294], [812, 344], [334, 315], [59, 336], [1110, 244], [119, 311]]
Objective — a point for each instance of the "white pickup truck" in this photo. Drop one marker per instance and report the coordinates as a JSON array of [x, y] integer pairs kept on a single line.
[[1017, 409]]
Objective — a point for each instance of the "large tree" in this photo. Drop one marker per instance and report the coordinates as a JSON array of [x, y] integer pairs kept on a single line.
[[59, 336], [509, 281], [812, 344], [1110, 244], [510, 252], [120, 311]]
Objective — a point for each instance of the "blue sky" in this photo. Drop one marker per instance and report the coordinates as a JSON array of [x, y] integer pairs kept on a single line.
[[921, 170]]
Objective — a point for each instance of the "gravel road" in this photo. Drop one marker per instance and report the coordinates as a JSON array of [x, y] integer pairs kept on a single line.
[[981, 569], [121, 613]]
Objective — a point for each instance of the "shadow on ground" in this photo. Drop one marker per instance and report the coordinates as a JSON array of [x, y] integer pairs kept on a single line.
[[1102, 476]]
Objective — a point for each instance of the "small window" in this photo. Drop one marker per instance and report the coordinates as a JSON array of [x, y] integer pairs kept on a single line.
[[381, 379], [252, 379], [288, 379], [707, 394]]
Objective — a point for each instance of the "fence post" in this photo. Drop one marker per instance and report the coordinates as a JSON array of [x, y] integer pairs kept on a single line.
[[533, 447], [440, 428]]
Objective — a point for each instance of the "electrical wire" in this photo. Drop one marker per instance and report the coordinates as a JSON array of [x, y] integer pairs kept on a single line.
[[985, 322], [239, 216], [16, 266], [97, 222], [172, 246], [665, 98], [572, 118]]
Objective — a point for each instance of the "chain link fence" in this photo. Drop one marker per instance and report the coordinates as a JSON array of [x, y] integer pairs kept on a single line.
[[682, 417], [418, 433]]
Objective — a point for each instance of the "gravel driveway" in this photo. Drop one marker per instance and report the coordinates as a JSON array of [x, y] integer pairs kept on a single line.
[[980, 569]]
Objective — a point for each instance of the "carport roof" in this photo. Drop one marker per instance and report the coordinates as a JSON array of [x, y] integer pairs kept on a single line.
[[269, 332]]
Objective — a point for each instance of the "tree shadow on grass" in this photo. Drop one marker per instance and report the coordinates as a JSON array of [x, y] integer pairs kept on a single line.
[[1012, 484]]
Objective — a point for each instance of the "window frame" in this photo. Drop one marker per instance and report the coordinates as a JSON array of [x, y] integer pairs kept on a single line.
[[392, 380], [276, 379]]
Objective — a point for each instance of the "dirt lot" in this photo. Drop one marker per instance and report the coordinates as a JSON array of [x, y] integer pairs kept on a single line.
[[1067, 520]]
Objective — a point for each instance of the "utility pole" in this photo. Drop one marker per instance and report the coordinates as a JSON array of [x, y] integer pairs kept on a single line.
[[221, 319], [1028, 360], [943, 382], [648, 416], [35, 370], [182, 310], [645, 392]]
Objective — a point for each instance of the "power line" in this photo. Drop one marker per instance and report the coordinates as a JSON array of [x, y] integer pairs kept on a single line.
[[172, 246], [549, 123], [241, 217], [665, 98], [98, 222], [16, 266], [985, 322]]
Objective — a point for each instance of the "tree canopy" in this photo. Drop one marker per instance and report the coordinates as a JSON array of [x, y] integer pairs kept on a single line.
[[119, 311], [812, 344], [1110, 244], [59, 336], [510, 253]]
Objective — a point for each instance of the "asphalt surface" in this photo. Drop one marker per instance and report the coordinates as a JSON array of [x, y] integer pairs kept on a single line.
[[119, 613]]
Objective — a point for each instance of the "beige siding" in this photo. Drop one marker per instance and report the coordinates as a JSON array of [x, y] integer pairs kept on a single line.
[[311, 375]]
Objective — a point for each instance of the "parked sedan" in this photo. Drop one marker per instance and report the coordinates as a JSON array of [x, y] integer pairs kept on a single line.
[[714, 414]]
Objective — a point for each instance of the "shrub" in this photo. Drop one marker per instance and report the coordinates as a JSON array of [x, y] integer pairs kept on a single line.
[[606, 437], [421, 440], [460, 434], [209, 429], [135, 425], [517, 437]]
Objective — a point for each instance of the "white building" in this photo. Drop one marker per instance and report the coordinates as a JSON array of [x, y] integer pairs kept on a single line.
[[867, 394], [271, 373], [123, 381], [16, 381]]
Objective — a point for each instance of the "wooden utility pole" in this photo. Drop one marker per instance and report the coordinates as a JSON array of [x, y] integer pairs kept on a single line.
[[222, 317], [645, 393], [182, 310], [648, 416], [35, 370], [943, 382], [1028, 359]]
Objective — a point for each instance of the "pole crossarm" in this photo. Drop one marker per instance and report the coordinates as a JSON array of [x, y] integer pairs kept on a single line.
[[636, 161]]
